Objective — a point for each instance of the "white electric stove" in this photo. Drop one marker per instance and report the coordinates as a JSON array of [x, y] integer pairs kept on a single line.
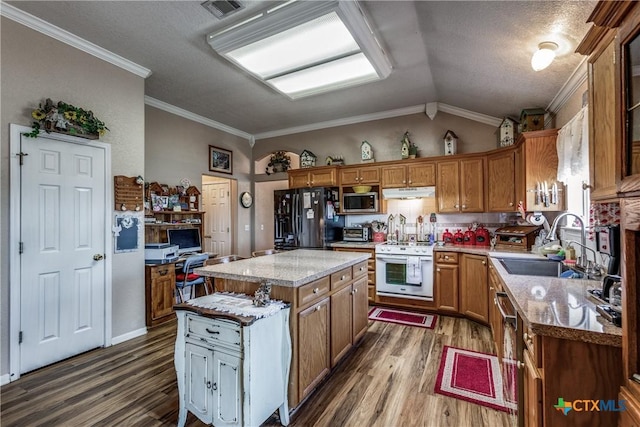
[[405, 270]]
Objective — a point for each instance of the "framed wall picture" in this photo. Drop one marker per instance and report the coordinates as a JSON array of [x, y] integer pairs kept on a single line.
[[220, 160]]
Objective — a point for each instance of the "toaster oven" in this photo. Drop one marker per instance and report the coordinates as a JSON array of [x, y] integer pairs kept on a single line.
[[356, 234]]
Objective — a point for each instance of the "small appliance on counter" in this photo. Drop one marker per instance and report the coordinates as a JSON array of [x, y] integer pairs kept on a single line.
[[356, 234], [608, 243], [609, 299], [160, 253]]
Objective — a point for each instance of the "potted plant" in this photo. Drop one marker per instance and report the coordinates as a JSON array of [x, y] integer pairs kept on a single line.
[[413, 150], [279, 162]]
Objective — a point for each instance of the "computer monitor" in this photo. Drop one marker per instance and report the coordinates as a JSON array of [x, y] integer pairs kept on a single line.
[[187, 239]]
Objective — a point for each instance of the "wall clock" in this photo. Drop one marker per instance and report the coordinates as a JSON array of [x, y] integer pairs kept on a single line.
[[246, 199]]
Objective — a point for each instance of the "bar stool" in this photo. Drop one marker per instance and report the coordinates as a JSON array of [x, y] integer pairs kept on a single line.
[[187, 278]]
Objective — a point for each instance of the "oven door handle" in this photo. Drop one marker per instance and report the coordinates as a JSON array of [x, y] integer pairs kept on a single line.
[[507, 317], [391, 258]]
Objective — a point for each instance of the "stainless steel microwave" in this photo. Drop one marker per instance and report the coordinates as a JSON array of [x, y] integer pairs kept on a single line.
[[360, 202]]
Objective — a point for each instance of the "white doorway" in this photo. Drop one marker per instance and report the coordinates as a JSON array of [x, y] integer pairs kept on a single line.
[[216, 196], [60, 248]]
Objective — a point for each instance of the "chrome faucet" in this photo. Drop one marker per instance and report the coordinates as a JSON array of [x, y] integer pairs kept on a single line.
[[589, 269], [583, 237]]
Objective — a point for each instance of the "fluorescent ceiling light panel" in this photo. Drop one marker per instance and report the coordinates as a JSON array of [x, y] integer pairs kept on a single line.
[[305, 48], [343, 72], [319, 40]]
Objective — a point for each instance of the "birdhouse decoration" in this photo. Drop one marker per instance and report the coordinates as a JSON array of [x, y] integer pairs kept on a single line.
[[507, 132], [405, 143], [307, 159], [366, 152], [532, 119], [450, 143]]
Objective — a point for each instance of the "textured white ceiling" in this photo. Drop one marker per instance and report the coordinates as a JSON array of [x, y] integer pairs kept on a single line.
[[473, 55]]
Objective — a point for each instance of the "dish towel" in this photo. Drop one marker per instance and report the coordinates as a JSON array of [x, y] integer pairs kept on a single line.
[[414, 270]]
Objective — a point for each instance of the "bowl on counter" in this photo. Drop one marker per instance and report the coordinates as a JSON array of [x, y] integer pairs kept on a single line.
[[360, 189]]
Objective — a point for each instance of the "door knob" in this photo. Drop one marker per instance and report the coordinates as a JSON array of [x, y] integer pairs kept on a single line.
[[98, 257]]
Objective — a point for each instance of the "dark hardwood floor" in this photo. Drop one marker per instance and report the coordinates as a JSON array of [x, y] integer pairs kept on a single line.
[[388, 380]]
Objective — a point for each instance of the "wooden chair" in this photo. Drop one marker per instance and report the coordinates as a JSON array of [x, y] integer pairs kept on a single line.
[[187, 278], [264, 252], [219, 260]]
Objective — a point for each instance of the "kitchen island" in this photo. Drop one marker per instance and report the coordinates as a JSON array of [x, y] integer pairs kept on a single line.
[[329, 310]]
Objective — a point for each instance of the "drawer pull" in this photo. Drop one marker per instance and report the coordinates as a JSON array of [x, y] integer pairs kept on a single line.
[[342, 277], [318, 308], [446, 257], [163, 272], [316, 290], [361, 268], [212, 332]]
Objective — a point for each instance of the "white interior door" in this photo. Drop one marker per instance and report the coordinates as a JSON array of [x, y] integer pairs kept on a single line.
[[217, 219], [62, 288]]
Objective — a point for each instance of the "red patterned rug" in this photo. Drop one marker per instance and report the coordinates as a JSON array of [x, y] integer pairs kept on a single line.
[[403, 317], [474, 377]]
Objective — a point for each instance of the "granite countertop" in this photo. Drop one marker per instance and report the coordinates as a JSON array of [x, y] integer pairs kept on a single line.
[[290, 268], [559, 308]]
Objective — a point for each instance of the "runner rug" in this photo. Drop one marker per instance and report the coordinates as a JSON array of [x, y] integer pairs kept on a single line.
[[474, 377], [403, 317]]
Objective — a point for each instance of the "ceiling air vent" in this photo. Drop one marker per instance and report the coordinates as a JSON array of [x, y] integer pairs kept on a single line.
[[222, 8]]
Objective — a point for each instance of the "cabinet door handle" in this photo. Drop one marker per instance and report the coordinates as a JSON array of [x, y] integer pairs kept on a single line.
[[510, 203], [212, 332], [456, 206], [484, 262], [437, 269], [163, 272], [355, 290], [404, 181], [318, 308], [464, 206]]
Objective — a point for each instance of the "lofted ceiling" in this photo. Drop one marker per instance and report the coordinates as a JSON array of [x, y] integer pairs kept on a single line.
[[472, 55]]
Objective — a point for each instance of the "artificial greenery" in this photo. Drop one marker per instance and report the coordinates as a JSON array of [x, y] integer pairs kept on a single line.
[[65, 117], [278, 158]]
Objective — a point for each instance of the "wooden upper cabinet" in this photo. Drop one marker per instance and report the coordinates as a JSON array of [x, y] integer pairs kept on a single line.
[[460, 185], [313, 177], [630, 167], [448, 187], [604, 140], [357, 175], [541, 167], [472, 185], [418, 174], [501, 181]]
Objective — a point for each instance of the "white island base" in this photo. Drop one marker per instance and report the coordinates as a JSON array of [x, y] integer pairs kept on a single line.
[[231, 370]]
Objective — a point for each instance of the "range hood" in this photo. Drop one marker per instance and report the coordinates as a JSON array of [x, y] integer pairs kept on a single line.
[[408, 193]]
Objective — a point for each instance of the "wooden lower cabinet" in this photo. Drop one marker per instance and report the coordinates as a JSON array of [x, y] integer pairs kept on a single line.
[[474, 295], [446, 287], [349, 308], [314, 346], [160, 284], [532, 393], [371, 269], [495, 318]]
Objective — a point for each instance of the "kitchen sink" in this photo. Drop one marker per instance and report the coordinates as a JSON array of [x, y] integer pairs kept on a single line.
[[533, 267]]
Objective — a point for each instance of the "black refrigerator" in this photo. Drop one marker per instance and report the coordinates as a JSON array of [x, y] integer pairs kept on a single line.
[[306, 218]]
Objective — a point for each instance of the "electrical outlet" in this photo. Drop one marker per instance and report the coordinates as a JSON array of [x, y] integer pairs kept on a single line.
[[261, 227], [246, 227]]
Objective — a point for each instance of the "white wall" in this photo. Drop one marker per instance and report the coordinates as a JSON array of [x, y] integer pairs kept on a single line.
[[35, 67]]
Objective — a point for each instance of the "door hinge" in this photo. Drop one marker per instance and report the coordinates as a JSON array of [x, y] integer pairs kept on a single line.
[[20, 337], [20, 247], [21, 155]]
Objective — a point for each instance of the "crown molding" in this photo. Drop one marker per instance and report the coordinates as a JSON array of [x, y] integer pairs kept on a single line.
[[44, 27], [379, 116], [471, 115], [161, 105], [575, 80]]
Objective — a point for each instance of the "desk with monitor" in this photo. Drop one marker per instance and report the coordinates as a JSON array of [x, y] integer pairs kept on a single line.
[[162, 261]]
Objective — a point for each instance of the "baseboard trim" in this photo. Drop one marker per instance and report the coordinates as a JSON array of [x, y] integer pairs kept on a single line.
[[5, 379], [128, 336]]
